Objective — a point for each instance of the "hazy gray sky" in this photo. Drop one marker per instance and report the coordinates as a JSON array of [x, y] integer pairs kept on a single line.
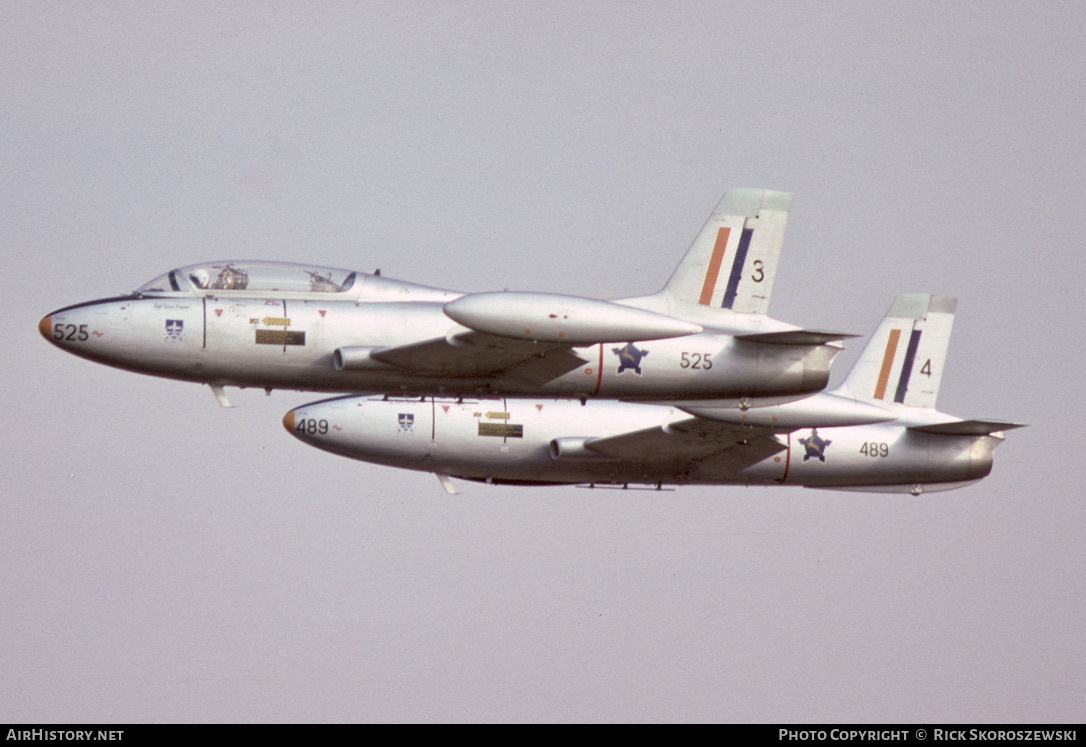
[[163, 559]]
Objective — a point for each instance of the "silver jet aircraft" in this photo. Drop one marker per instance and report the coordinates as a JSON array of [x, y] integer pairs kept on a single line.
[[704, 336], [879, 431]]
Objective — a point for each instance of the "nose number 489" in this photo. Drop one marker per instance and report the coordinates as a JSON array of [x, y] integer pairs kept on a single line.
[[311, 427]]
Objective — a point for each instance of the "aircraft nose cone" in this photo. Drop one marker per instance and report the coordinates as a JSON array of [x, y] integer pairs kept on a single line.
[[45, 326], [288, 422]]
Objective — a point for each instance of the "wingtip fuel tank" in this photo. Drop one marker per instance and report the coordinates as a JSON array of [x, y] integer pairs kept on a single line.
[[549, 317]]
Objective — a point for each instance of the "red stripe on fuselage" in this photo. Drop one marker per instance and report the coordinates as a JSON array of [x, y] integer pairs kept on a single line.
[[787, 458], [599, 372]]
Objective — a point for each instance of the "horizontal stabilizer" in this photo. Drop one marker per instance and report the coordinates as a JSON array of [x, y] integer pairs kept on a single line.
[[795, 337], [966, 427]]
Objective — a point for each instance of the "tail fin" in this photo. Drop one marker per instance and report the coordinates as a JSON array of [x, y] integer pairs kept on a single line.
[[903, 360], [733, 261]]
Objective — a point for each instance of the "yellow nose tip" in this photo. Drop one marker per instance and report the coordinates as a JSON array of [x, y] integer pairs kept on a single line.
[[288, 421], [45, 326]]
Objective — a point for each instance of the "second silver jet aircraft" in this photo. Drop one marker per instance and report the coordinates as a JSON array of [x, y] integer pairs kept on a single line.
[[879, 431]]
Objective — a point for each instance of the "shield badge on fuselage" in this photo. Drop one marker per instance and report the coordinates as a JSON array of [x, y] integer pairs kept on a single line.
[[175, 330]]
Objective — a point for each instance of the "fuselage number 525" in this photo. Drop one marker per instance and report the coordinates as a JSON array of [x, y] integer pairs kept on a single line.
[[696, 360]]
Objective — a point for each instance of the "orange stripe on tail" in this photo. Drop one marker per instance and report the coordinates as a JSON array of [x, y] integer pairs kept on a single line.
[[714, 266], [887, 363]]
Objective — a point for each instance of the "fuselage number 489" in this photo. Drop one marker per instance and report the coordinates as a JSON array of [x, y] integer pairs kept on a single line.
[[873, 449]]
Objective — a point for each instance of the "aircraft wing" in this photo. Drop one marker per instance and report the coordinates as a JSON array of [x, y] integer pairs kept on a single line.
[[480, 354], [528, 338], [692, 440]]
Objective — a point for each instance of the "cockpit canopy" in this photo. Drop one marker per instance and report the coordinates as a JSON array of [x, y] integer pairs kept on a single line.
[[251, 276], [259, 279]]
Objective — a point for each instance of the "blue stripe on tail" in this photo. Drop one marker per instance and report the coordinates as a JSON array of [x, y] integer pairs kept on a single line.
[[737, 268], [907, 366]]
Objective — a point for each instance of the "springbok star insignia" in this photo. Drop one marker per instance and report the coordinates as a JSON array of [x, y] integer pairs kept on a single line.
[[815, 446], [629, 357]]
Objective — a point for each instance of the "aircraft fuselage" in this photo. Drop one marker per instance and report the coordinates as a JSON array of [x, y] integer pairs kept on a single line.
[[533, 442], [290, 343]]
